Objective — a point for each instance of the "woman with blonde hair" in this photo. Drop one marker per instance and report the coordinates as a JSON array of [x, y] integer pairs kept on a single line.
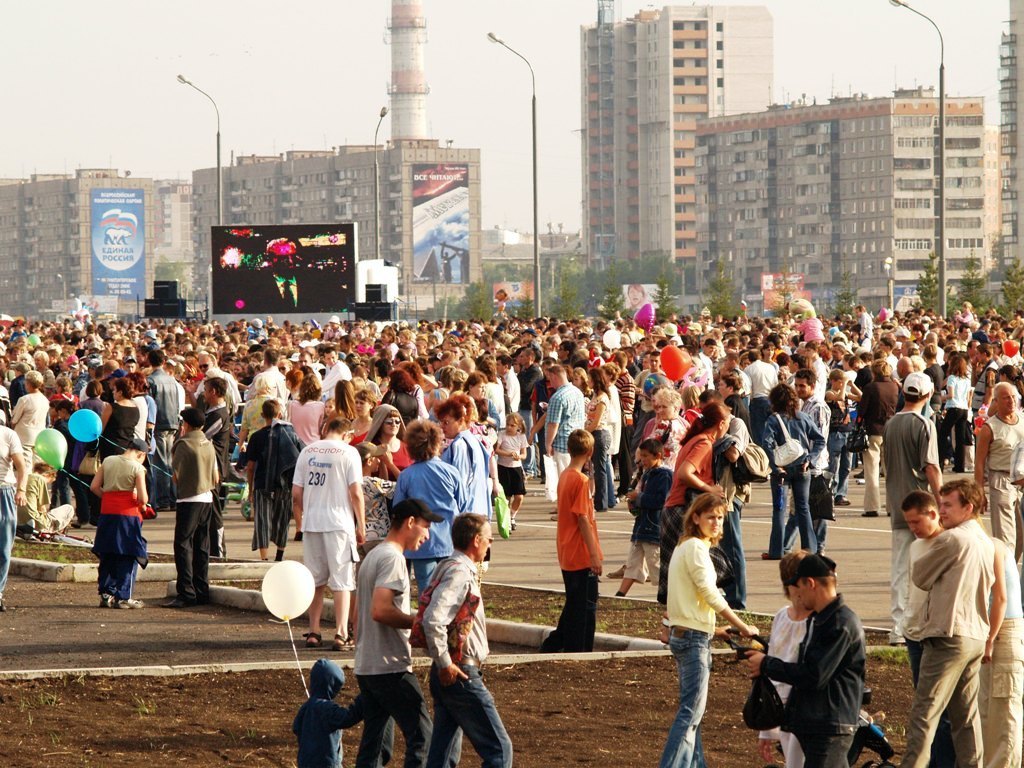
[[693, 603]]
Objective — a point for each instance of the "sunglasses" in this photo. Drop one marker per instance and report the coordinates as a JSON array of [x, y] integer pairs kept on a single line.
[[203, 366], [396, 422]]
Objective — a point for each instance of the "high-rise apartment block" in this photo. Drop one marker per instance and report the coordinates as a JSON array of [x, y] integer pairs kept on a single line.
[[647, 81], [832, 189], [87, 234], [1011, 71]]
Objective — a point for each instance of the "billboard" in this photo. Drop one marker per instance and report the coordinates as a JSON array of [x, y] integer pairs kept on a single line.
[[638, 294], [440, 223], [512, 293], [305, 268], [780, 287], [118, 228]]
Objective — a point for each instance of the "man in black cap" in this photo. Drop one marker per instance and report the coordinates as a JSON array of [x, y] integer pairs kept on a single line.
[[383, 662], [828, 676]]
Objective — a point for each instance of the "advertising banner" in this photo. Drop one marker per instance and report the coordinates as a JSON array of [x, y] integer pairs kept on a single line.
[[270, 269], [638, 294], [779, 288], [118, 227], [440, 223], [512, 293]]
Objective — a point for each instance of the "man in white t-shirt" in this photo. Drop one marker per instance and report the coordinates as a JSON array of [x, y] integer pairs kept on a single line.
[[336, 370], [13, 478], [327, 501]]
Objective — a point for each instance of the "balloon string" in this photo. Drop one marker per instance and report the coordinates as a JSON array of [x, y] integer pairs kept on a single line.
[[74, 477], [296, 652], [123, 449]]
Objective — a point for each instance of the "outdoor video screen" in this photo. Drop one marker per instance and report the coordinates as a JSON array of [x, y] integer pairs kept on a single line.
[[278, 269]]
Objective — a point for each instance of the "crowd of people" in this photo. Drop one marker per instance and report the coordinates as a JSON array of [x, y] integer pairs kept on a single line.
[[327, 432]]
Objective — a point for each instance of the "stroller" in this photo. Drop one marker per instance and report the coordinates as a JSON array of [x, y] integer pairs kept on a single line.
[[869, 734]]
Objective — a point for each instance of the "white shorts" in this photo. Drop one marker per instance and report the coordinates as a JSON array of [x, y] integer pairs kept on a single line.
[[329, 557]]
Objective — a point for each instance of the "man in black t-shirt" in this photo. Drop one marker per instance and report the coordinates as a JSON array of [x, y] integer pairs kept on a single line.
[[529, 374]]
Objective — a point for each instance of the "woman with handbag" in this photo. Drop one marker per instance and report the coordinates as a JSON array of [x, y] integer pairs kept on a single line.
[[694, 475], [838, 396], [693, 602], [120, 483], [793, 443]]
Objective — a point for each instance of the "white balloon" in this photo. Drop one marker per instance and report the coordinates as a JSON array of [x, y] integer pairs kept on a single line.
[[288, 589], [612, 339]]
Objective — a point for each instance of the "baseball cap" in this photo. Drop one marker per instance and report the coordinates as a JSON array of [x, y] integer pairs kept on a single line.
[[139, 444], [813, 567], [413, 508], [917, 385], [150, 334], [335, 319]]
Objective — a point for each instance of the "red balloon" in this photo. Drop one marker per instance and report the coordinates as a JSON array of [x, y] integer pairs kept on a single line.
[[675, 362], [644, 317], [1010, 348]]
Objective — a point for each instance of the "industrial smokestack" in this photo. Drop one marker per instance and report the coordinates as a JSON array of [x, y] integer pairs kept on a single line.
[[408, 89]]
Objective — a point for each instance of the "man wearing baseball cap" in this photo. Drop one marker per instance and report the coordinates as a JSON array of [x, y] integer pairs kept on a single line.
[[911, 464], [828, 677]]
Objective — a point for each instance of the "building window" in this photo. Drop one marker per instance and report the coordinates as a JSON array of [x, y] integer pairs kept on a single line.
[[719, 46], [720, 82], [720, 64]]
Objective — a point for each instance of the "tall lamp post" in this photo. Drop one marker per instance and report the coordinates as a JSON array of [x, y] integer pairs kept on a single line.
[[536, 229], [376, 188], [940, 198], [220, 186], [890, 278]]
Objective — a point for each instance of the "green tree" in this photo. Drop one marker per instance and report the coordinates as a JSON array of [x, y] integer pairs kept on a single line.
[[720, 298], [525, 310], [567, 304], [845, 298], [477, 304], [173, 270], [971, 286], [928, 284], [612, 303], [1013, 288], [664, 297]]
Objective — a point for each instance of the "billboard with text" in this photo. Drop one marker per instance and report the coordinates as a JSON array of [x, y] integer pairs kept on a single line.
[[440, 223], [118, 235]]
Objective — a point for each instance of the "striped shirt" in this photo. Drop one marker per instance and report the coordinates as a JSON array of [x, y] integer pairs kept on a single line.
[[627, 394]]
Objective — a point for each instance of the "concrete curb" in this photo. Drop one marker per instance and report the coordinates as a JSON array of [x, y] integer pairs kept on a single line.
[[40, 570], [418, 662], [498, 630]]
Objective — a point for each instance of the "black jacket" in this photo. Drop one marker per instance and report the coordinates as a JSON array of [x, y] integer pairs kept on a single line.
[[828, 678]]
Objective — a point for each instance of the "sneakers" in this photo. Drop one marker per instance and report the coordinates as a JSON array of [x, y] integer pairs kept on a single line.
[[129, 603], [106, 601]]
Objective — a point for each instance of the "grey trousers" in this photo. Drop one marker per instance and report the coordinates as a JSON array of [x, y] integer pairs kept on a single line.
[[948, 678], [1003, 499]]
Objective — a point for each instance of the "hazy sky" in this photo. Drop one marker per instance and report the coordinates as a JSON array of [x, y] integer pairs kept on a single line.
[[89, 85]]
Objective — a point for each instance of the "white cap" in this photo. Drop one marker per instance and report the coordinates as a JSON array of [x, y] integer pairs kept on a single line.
[[918, 384], [334, 319]]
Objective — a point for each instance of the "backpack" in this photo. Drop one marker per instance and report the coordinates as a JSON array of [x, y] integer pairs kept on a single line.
[[752, 466], [461, 625]]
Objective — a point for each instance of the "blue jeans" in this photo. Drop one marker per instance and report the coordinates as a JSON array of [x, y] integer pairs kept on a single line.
[[467, 707], [799, 482], [395, 696], [8, 525], [839, 463], [732, 545], [424, 569], [943, 754], [62, 489], [692, 652], [760, 410], [163, 484], [604, 478], [530, 462], [117, 575]]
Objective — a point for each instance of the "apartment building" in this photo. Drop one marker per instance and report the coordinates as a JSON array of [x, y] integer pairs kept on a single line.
[[827, 189], [647, 81]]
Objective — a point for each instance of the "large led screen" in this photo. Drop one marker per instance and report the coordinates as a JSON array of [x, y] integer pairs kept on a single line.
[[304, 268]]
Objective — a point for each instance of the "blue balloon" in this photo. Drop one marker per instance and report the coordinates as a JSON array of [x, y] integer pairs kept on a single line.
[[85, 425]]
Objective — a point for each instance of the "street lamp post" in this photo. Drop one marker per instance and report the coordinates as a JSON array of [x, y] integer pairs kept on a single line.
[[890, 276], [220, 187], [376, 188], [940, 198], [536, 230]]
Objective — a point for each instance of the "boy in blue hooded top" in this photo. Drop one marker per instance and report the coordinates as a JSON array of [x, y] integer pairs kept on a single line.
[[319, 722]]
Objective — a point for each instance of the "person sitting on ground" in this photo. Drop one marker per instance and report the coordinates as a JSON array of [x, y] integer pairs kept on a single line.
[[319, 722], [35, 514]]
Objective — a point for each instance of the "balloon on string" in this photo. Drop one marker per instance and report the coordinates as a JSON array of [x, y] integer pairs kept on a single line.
[[1011, 347], [287, 589], [51, 447], [675, 361], [652, 381], [85, 425], [612, 339], [644, 317], [34, 340]]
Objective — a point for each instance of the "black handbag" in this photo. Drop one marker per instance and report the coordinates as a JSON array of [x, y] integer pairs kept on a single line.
[[724, 575], [763, 709], [821, 501], [857, 442]]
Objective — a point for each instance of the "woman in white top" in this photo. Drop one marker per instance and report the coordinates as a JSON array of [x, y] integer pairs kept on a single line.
[[597, 424], [956, 416], [788, 629], [29, 416]]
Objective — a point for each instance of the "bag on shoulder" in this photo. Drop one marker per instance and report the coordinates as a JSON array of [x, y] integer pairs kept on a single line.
[[857, 442], [790, 451], [461, 625], [90, 464], [752, 466], [763, 709]]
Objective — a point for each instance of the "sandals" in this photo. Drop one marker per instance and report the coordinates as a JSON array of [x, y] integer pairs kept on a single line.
[[313, 639], [342, 643]]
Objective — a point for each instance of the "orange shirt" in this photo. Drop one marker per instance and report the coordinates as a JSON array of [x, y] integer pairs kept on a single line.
[[697, 452], [574, 501]]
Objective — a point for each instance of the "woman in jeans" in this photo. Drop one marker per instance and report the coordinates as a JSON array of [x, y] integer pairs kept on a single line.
[[956, 413], [597, 424], [838, 396], [788, 422], [693, 602]]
